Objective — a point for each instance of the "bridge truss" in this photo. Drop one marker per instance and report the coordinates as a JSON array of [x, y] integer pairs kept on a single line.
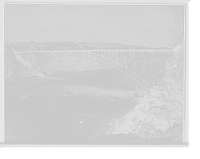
[[134, 66]]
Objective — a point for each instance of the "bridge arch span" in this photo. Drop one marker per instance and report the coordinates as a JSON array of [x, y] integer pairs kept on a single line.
[[134, 79]]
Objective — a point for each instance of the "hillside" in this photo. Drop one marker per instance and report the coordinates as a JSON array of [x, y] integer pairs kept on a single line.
[[160, 112]]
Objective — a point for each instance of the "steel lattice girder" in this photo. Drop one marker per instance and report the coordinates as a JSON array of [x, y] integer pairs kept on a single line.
[[99, 56]]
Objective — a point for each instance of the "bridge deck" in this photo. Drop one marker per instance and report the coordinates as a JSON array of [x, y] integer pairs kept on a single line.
[[129, 62]]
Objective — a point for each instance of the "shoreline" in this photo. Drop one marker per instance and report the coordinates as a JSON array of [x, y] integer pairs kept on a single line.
[[77, 72], [32, 77], [117, 133], [20, 78], [114, 135]]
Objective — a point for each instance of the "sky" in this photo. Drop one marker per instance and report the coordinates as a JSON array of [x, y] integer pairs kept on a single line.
[[151, 26]]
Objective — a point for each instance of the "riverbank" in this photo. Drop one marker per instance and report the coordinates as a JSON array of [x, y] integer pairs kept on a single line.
[[121, 131], [60, 73], [118, 133], [46, 74], [20, 78], [158, 117]]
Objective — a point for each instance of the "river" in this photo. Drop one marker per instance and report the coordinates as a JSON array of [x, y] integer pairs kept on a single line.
[[70, 108]]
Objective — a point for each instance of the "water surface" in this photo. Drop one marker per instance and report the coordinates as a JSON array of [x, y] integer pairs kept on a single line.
[[64, 108]]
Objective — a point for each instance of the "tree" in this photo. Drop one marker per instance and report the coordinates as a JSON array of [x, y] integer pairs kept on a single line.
[[170, 87]]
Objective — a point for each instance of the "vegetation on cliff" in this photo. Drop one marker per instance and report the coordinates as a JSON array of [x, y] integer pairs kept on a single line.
[[162, 110]]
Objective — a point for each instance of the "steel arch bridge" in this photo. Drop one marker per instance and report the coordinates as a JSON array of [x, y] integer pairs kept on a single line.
[[127, 63]]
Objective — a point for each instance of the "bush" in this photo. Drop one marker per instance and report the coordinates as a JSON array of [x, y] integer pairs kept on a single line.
[[145, 129]]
